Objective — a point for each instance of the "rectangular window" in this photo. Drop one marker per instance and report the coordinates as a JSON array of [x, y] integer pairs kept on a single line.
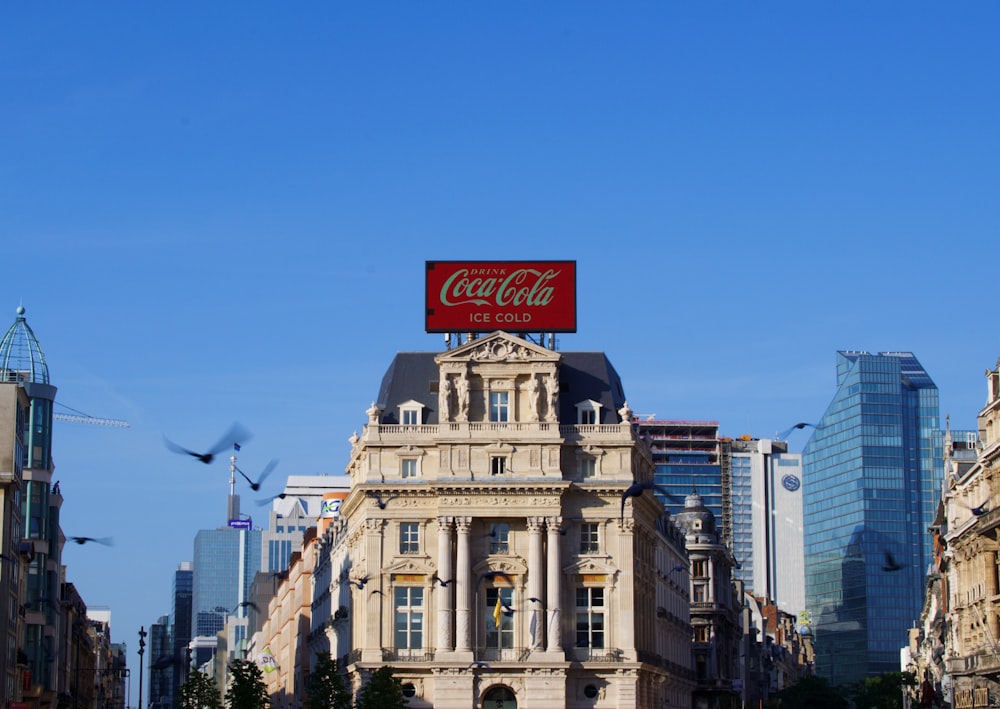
[[409, 538], [701, 634], [498, 465], [588, 417], [588, 468], [590, 617], [589, 541], [499, 636], [411, 417], [500, 538], [409, 624], [700, 594], [699, 568], [499, 406], [408, 468]]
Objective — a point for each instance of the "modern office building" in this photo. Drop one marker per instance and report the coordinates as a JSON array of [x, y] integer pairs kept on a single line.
[[181, 592], [22, 361], [767, 520], [688, 457], [297, 508], [871, 479], [492, 556]]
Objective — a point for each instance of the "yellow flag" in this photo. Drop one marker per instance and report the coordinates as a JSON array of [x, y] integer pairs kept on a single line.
[[497, 612]]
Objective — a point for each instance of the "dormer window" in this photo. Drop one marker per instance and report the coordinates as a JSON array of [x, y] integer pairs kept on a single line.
[[588, 413], [411, 413]]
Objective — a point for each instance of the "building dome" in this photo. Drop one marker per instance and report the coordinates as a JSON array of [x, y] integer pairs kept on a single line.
[[21, 356], [695, 518]]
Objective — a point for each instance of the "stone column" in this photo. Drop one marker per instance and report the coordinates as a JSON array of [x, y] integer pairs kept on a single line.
[[625, 592], [442, 594], [463, 586], [372, 602], [536, 572], [554, 621]]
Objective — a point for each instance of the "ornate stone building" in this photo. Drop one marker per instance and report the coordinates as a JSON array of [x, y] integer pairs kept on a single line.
[[970, 634], [487, 549], [716, 608]]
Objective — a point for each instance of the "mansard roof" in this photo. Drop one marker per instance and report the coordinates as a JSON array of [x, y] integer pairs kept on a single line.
[[582, 376]]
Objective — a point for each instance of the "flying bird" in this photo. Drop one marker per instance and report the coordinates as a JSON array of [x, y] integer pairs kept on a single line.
[[981, 509], [360, 583], [236, 435], [481, 665], [535, 600], [444, 584], [382, 502], [106, 541], [255, 486], [272, 498], [890, 563], [165, 661], [494, 575], [636, 489]]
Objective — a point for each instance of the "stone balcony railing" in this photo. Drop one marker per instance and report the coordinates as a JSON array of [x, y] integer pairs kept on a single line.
[[476, 429]]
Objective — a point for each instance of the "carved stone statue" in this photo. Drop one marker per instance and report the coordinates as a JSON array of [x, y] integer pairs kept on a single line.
[[373, 412], [463, 398], [534, 399], [552, 391], [444, 399]]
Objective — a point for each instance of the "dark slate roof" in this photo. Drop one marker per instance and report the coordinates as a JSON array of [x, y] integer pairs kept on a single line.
[[582, 376]]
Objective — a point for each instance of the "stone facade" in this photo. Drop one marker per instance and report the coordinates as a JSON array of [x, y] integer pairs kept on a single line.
[[487, 549]]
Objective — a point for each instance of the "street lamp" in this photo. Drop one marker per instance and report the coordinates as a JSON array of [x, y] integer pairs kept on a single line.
[[142, 649]]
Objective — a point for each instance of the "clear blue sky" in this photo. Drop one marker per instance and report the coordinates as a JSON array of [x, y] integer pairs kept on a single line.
[[221, 211]]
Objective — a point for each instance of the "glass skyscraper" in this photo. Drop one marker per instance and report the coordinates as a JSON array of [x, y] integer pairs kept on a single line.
[[872, 475], [225, 562]]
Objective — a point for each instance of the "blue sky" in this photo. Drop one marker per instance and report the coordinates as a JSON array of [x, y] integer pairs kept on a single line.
[[221, 211]]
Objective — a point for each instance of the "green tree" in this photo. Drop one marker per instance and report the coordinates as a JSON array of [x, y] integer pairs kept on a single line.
[[199, 691], [810, 691], [246, 686], [326, 689], [383, 691], [884, 691]]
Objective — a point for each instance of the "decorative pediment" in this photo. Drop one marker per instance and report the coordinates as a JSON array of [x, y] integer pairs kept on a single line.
[[592, 565], [410, 565], [498, 346], [510, 565]]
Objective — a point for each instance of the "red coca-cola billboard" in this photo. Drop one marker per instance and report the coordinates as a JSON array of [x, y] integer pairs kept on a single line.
[[517, 296]]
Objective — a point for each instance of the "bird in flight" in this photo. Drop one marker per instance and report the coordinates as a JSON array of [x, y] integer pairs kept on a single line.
[[382, 502], [236, 435], [890, 563], [481, 665], [360, 583], [636, 489], [106, 541], [269, 500], [444, 584], [494, 575], [255, 486]]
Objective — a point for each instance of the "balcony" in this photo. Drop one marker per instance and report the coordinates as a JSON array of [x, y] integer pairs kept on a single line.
[[407, 655]]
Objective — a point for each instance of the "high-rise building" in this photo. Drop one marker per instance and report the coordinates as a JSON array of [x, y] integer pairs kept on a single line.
[[180, 627], [22, 361], [767, 520], [225, 562], [688, 458], [871, 478]]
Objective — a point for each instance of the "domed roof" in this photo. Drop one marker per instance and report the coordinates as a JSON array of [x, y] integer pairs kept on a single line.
[[21, 356], [695, 510]]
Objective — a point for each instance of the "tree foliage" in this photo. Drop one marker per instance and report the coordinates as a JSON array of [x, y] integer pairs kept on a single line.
[[813, 692], [246, 686], [199, 691], [882, 692], [327, 689], [383, 691]]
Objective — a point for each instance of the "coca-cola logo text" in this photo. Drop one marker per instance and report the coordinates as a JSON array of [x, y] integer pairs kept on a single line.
[[524, 286]]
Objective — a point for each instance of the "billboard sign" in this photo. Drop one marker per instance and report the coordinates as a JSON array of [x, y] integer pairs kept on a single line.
[[517, 296], [241, 523]]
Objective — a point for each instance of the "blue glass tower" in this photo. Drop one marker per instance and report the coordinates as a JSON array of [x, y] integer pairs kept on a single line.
[[872, 471]]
